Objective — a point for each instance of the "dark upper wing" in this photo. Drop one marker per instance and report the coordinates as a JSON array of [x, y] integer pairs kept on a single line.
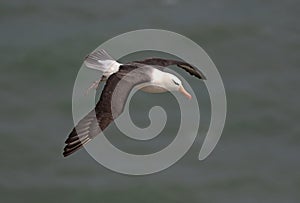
[[109, 107], [168, 62]]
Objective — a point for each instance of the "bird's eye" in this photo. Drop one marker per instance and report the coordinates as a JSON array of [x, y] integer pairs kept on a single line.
[[176, 83]]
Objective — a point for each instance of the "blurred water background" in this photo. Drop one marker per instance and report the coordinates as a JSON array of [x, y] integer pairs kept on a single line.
[[256, 47]]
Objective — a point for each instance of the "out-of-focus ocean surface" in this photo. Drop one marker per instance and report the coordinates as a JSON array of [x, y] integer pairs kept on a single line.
[[256, 47]]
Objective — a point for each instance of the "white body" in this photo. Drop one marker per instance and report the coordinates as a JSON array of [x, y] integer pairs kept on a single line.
[[158, 83]]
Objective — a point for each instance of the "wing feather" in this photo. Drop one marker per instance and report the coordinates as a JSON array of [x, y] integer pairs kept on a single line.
[[168, 62], [108, 108]]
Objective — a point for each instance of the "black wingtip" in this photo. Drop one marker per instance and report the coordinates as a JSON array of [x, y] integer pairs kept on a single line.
[[200, 74], [73, 143], [70, 150]]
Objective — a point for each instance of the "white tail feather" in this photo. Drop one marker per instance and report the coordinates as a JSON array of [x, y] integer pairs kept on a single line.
[[101, 60]]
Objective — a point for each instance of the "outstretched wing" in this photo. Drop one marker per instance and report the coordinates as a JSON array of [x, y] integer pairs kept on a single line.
[[108, 108], [168, 62]]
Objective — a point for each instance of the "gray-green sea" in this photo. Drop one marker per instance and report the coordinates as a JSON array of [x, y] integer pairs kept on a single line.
[[256, 47]]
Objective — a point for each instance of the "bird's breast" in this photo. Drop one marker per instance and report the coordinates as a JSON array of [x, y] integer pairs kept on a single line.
[[153, 89]]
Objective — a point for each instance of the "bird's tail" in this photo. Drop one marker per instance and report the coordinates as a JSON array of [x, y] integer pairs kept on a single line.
[[99, 60]]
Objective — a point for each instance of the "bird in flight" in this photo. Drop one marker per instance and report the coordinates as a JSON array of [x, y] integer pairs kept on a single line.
[[147, 75]]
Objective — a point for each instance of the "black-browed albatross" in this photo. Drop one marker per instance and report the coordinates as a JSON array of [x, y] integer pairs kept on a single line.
[[147, 75]]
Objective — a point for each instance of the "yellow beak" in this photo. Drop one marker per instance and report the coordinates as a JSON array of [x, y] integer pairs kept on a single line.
[[184, 92]]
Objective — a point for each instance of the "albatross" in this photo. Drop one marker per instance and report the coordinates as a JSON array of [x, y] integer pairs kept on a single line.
[[147, 75]]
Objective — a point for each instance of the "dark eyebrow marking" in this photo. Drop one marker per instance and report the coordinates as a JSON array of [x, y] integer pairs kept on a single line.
[[175, 82]]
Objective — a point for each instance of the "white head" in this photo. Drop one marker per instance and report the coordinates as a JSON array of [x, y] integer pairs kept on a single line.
[[173, 83]]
